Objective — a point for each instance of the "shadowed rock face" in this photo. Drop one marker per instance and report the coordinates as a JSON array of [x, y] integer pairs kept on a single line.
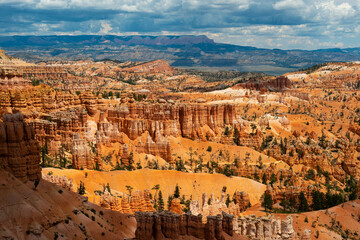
[[19, 152], [173, 226], [277, 84]]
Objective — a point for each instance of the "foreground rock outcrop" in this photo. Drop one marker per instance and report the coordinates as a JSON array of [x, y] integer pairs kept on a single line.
[[19, 152], [50, 212]]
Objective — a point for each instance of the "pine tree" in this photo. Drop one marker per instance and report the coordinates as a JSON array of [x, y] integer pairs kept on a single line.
[[36, 183], [236, 136], [256, 176], [318, 200], [292, 203], [44, 151], [227, 131], [284, 203], [267, 202], [303, 206], [228, 201], [129, 188], [273, 179], [170, 198], [160, 202], [264, 179], [177, 192]]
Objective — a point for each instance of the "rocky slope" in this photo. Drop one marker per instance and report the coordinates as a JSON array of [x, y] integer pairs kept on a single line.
[[51, 212]]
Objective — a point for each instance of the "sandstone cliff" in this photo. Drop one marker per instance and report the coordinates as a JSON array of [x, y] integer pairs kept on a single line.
[[19, 152]]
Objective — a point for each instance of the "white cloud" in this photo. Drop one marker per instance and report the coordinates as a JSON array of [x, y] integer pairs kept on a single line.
[[105, 28], [286, 4], [326, 11]]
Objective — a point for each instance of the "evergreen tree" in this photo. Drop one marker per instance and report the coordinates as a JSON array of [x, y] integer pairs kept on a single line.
[[273, 179], [228, 201], [284, 203], [177, 192], [129, 188], [131, 167], [303, 206], [44, 152], [292, 203], [156, 188], [264, 179], [36, 183], [227, 131], [236, 136], [318, 200], [170, 198], [256, 176], [267, 202], [160, 202]]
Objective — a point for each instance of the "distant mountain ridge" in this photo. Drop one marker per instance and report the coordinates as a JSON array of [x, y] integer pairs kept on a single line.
[[180, 51], [10, 41]]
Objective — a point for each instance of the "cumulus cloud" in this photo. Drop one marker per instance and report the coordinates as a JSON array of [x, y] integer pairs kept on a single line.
[[261, 23], [288, 4]]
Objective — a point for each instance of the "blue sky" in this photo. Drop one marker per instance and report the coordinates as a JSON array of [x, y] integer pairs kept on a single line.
[[284, 24]]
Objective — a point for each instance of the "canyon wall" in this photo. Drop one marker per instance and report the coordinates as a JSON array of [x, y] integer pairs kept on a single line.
[[187, 120]]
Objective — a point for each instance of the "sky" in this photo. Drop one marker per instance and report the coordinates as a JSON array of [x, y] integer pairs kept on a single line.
[[283, 24]]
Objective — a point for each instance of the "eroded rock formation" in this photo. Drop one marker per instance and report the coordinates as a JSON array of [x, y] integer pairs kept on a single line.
[[82, 157], [175, 206], [212, 207], [19, 152], [12, 78], [170, 225], [138, 201], [61, 181], [265, 228], [186, 120], [276, 84]]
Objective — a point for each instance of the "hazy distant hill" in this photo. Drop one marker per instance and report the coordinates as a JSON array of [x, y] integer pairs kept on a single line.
[[180, 51]]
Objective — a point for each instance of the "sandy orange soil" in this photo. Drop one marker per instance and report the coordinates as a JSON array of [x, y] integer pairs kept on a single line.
[[191, 184]]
